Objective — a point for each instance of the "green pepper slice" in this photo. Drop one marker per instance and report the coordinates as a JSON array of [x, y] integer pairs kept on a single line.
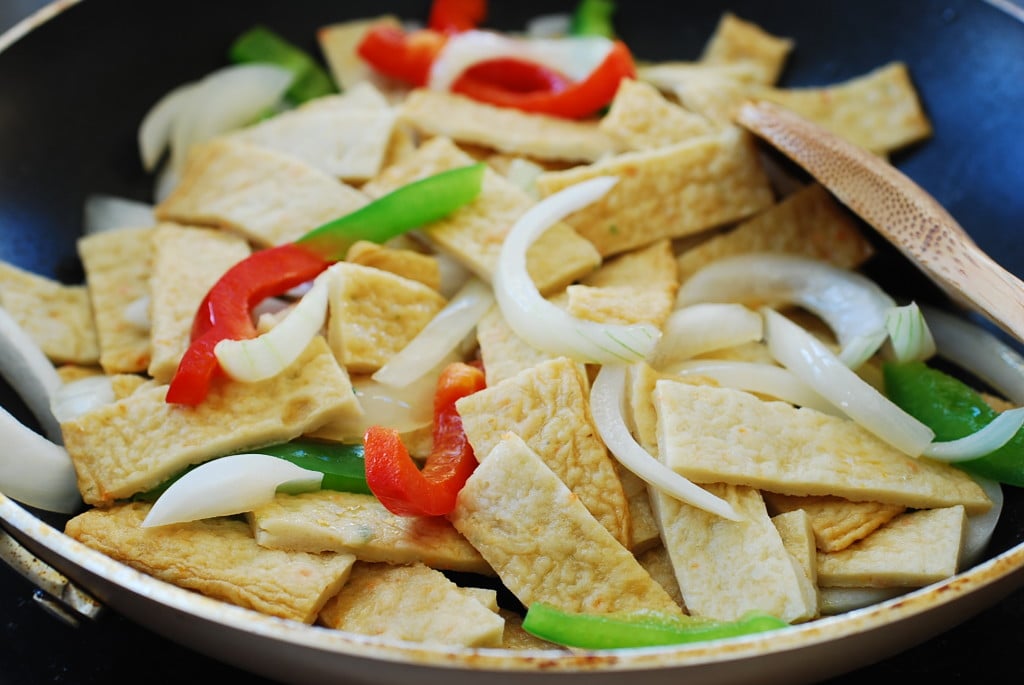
[[640, 629], [953, 410], [260, 44], [593, 18]]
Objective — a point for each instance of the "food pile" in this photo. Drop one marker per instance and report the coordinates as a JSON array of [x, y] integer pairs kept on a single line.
[[485, 339]]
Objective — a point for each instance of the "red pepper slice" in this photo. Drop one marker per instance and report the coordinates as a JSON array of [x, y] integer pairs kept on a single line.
[[456, 15], [578, 100], [400, 55], [393, 476], [226, 312], [516, 75]]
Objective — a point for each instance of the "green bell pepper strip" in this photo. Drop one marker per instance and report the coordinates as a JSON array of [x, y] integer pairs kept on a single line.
[[953, 410], [260, 44], [341, 463], [413, 205], [593, 18], [640, 629]]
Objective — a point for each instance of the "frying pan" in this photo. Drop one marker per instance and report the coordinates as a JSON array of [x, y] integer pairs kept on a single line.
[[72, 92]]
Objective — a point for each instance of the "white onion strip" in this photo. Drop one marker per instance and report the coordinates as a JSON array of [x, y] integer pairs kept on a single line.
[[439, 337], [574, 57], [110, 212], [979, 443], [155, 130], [705, 327], [851, 304], [34, 470], [30, 374], [77, 397], [763, 379], [228, 485], [909, 336], [267, 355], [816, 365], [606, 400], [541, 323], [978, 351]]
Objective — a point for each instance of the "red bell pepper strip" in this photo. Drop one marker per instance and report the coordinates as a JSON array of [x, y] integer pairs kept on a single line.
[[400, 55], [578, 100], [225, 312], [393, 476], [517, 76], [456, 15]]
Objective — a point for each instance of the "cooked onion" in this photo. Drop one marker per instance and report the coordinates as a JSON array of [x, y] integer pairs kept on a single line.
[[909, 337], [439, 337], [228, 485], [224, 100], [109, 212], [607, 396], [704, 327], [269, 354], [542, 324], [852, 305], [155, 130], [980, 527], [978, 351], [30, 374], [77, 397], [763, 379], [34, 470], [137, 313], [574, 57], [816, 365]]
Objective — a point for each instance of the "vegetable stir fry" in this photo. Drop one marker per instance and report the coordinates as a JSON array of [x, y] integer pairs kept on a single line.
[[486, 339]]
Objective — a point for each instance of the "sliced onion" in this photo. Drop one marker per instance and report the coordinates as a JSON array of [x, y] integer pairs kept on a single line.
[[704, 327], [764, 379], [574, 57], [155, 130], [978, 351], [269, 354], [226, 99], [980, 527], [78, 397], [909, 336], [542, 324], [35, 470], [453, 274], [549, 25], [30, 374], [981, 442], [110, 212], [439, 337], [137, 313], [852, 305], [816, 365], [228, 485], [607, 397]]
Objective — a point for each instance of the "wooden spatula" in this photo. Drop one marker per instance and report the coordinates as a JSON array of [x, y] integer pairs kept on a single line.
[[900, 210]]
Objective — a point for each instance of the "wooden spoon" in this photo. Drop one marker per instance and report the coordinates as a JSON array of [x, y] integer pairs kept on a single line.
[[900, 210]]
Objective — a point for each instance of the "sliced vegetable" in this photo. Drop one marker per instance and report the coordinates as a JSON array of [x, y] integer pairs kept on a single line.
[[593, 18], [541, 323], [401, 55], [853, 306], [703, 327], [820, 368], [154, 132], [639, 629], [34, 470], [228, 485], [106, 212], [439, 337], [456, 15], [909, 336], [411, 206], [954, 410], [74, 398], [30, 374], [606, 399], [581, 99], [395, 478], [264, 356], [341, 464], [225, 313], [260, 44]]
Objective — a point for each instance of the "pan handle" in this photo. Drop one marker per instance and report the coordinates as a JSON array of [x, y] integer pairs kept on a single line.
[[57, 595]]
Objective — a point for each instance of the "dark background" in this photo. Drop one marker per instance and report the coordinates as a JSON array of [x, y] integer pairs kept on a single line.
[[36, 648]]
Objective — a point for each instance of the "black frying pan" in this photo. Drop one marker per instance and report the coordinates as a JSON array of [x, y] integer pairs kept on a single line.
[[73, 91]]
